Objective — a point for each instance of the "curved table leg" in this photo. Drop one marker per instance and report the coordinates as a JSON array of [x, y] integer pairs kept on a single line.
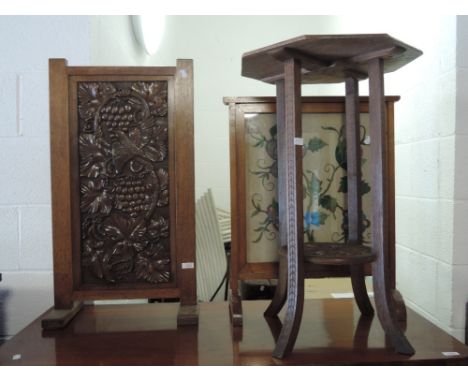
[[294, 212], [361, 334], [279, 298], [295, 303], [400, 307], [360, 290], [387, 313], [275, 326], [382, 294]]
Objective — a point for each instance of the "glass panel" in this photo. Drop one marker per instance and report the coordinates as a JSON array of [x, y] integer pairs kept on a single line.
[[324, 181]]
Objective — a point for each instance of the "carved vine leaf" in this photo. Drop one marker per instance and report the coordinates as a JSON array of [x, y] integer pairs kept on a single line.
[[92, 156], [125, 237], [131, 232], [158, 228], [92, 253], [91, 95], [155, 93], [95, 198], [119, 262], [152, 264]]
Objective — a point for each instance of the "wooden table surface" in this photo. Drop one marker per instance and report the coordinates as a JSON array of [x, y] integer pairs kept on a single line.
[[328, 58], [147, 334]]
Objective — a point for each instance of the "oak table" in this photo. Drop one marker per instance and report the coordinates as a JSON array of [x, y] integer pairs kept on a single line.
[[316, 59], [147, 334]]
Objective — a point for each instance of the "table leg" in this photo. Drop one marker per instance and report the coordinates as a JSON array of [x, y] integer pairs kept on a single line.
[[279, 298], [294, 210], [353, 172], [380, 272]]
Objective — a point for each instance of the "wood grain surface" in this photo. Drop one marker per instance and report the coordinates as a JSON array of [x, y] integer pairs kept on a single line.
[[147, 334]]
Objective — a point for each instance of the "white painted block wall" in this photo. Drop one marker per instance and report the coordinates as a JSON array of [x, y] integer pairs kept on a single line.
[[460, 236], [25, 216]]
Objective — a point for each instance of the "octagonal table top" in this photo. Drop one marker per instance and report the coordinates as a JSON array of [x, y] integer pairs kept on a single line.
[[328, 58]]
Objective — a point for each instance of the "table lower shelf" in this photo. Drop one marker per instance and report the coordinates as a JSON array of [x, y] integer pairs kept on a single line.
[[331, 334]]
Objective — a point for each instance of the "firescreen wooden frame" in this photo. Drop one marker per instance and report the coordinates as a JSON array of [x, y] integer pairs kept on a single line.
[[68, 287], [240, 268]]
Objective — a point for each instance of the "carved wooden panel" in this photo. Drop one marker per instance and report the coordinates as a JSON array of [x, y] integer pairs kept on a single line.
[[124, 182]]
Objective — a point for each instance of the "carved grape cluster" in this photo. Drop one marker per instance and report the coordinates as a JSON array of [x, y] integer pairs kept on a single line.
[[132, 195], [117, 116]]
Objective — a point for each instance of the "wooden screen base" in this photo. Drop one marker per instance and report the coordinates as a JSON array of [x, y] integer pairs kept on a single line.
[[59, 318], [188, 315], [235, 310]]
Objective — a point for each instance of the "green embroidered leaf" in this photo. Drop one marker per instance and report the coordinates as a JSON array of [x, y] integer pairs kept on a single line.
[[273, 131], [343, 185], [328, 202], [365, 188], [340, 153], [275, 205], [315, 144], [323, 217]]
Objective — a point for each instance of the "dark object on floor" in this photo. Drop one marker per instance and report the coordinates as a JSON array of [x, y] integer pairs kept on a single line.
[[258, 289]]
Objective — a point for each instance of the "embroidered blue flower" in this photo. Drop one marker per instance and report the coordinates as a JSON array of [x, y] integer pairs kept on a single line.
[[312, 218]]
